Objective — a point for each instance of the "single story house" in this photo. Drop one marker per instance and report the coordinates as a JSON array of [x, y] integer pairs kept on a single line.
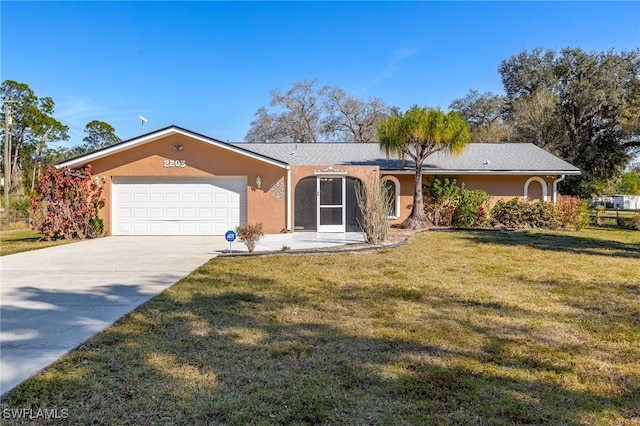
[[177, 182]]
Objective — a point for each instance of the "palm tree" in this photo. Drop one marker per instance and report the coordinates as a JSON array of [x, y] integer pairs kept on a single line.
[[418, 133]]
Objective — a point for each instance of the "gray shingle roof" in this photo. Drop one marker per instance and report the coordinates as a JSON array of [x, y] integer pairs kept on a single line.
[[481, 158]]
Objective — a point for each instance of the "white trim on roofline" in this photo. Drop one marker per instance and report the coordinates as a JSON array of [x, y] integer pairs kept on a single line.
[[150, 137], [483, 172]]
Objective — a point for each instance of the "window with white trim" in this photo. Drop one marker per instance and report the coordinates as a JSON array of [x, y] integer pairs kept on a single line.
[[392, 185]]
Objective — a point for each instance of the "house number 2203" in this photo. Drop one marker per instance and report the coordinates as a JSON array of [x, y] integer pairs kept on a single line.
[[175, 163]]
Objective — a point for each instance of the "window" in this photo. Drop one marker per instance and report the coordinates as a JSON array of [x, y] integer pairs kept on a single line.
[[392, 185]]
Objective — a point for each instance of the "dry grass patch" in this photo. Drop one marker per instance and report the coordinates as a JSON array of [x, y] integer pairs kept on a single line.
[[455, 328]]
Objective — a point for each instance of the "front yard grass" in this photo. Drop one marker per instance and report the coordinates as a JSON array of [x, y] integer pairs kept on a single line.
[[457, 327], [19, 240]]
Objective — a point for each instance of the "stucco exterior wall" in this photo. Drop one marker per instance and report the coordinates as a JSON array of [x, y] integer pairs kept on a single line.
[[406, 196], [202, 160], [505, 187]]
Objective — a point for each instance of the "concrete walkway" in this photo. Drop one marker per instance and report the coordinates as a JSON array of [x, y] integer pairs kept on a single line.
[[52, 300]]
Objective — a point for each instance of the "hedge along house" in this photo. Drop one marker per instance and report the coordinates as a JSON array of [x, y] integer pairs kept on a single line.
[[177, 182]]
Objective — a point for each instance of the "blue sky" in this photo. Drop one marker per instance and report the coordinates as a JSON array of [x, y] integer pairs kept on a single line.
[[208, 66]]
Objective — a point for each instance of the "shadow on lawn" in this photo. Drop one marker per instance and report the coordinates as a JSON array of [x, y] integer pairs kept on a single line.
[[568, 243], [226, 356], [38, 325]]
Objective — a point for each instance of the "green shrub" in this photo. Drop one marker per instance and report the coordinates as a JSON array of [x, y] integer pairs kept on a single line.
[[472, 209], [542, 215], [20, 207], [508, 213], [443, 190], [582, 218], [636, 222], [250, 235], [443, 196], [520, 214]]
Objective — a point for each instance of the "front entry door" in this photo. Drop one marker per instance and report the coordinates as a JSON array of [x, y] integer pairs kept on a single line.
[[331, 204]]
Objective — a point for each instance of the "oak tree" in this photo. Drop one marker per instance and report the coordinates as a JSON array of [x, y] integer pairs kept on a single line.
[[582, 106], [307, 114]]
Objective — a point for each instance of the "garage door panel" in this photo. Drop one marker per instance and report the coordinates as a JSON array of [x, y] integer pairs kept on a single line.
[[189, 213], [189, 198], [140, 213], [141, 227], [172, 198], [124, 213], [149, 206], [172, 227], [221, 213], [205, 228], [205, 213], [123, 228], [189, 228], [156, 198], [123, 198], [139, 197], [221, 228], [172, 213], [204, 198]]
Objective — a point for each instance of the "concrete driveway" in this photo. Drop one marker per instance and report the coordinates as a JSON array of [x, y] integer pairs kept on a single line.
[[52, 300]]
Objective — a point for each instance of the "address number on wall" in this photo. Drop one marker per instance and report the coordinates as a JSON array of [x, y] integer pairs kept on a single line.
[[175, 163]]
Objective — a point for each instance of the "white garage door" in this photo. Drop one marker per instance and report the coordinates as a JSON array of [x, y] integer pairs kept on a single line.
[[147, 206]]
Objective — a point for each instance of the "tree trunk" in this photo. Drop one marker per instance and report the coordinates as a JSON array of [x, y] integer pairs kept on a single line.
[[417, 218]]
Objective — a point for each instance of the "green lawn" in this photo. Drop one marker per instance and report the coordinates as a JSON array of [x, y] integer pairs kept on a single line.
[[478, 327], [20, 240]]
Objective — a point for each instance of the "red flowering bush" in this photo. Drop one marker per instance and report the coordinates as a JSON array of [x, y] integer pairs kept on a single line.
[[572, 211], [66, 204]]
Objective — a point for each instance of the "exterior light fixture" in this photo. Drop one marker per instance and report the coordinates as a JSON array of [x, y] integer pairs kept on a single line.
[[258, 181], [178, 147]]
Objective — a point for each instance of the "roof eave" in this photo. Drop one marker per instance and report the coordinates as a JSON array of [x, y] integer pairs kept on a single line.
[[144, 139], [484, 172]]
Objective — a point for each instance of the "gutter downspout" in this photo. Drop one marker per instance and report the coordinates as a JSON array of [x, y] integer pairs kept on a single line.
[[289, 199], [555, 188]]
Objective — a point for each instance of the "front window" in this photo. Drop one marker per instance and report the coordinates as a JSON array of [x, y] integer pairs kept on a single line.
[[392, 185]]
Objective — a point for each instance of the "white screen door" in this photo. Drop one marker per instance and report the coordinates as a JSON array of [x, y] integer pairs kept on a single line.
[[331, 204]]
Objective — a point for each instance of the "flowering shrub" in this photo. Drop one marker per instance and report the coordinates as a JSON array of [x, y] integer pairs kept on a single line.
[[250, 235], [444, 195], [66, 205], [440, 214], [572, 211], [453, 205], [472, 209]]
